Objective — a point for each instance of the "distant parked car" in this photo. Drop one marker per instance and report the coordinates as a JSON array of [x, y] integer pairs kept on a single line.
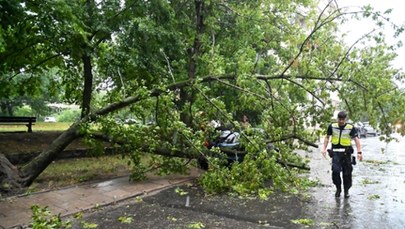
[[369, 129], [361, 131], [49, 119], [364, 129]]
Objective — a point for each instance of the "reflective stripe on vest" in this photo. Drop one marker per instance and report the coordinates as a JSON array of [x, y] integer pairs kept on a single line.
[[341, 136]]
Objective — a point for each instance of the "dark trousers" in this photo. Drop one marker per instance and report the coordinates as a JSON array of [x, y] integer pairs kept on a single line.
[[342, 162]]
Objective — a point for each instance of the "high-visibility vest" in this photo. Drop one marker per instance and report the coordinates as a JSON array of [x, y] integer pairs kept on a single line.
[[341, 137]]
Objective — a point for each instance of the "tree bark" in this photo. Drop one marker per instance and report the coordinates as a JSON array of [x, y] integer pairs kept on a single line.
[[39, 164], [9, 176], [13, 179], [88, 85], [187, 95]]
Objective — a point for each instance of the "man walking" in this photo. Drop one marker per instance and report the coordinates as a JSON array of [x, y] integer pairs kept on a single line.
[[342, 133]]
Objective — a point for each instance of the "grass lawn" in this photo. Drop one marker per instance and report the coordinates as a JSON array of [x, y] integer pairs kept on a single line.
[[67, 172], [38, 126]]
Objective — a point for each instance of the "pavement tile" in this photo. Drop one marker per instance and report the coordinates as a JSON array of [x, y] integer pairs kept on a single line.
[[82, 191], [97, 199], [4, 206], [17, 210], [67, 197], [16, 219], [140, 188], [48, 201], [31, 198], [161, 182], [109, 185], [47, 196], [57, 210], [71, 205], [70, 194], [118, 194]]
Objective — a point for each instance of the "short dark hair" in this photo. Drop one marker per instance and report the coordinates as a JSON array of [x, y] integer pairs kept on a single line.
[[342, 114]]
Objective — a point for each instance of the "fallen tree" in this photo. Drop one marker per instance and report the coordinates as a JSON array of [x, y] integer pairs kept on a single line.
[[189, 62], [13, 178]]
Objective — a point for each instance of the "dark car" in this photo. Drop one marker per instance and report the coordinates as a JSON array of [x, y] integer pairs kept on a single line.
[[228, 143]]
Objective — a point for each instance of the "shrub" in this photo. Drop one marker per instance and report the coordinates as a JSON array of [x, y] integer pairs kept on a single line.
[[24, 111], [68, 116]]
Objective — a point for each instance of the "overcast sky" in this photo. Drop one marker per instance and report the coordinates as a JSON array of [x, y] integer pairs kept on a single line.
[[357, 29]]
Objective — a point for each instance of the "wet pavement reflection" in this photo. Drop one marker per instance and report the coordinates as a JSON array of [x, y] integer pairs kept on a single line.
[[376, 197]]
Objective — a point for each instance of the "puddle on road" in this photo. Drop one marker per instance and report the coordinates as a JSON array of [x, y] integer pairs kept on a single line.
[[376, 197]]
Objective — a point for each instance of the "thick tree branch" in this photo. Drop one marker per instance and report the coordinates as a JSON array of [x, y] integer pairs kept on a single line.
[[294, 136], [264, 77], [192, 155]]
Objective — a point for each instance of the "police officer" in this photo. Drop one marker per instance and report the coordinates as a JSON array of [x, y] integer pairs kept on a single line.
[[342, 133]]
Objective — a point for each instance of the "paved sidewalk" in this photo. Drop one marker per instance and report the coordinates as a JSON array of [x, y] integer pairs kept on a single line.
[[16, 211]]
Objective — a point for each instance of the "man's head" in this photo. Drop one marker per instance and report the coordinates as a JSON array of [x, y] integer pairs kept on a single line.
[[341, 118]]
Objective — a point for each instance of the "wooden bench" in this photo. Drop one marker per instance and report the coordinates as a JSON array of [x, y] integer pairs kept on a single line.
[[28, 121]]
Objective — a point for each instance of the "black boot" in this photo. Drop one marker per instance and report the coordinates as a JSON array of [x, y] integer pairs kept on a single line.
[[347, 195], [338, 191]]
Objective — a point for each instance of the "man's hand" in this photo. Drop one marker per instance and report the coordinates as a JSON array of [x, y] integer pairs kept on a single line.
[[359, 156], [325, 146], [324, 153]]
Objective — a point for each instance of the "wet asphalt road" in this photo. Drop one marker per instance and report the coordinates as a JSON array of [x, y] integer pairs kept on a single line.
[[377, 200], [377, 196]]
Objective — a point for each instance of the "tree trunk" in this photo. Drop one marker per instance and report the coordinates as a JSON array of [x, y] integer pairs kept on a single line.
[[88, 85], [12, 179], [2, 107], [187, 95]]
